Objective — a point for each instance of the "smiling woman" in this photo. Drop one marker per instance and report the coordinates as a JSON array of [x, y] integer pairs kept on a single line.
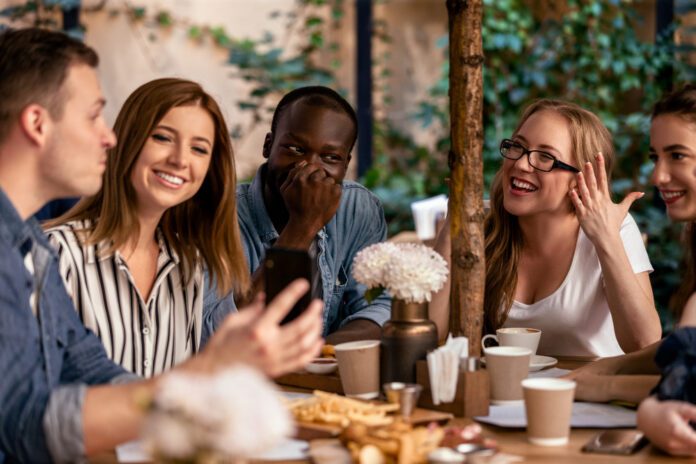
[[560, 256], [134, 256], [174, 160], [673, 150]]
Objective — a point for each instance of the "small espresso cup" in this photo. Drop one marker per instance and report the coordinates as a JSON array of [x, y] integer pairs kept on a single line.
[[548, 404], [358, 366], [507, 367], [515, 336]]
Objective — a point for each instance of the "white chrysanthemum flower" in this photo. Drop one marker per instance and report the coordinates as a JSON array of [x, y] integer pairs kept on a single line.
[[370, 263], [409, 271], [415, 273], [235, 414]]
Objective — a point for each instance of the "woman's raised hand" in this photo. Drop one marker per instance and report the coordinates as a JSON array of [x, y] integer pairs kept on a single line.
[[600, 218]]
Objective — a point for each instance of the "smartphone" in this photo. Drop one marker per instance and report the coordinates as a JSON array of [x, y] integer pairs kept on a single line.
[[281, 267], [615, 442]]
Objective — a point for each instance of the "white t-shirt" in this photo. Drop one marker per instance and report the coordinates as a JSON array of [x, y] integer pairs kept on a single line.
[[575, 319]]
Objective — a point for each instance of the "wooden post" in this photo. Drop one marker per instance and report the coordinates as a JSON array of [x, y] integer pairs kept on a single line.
[[466, 166]]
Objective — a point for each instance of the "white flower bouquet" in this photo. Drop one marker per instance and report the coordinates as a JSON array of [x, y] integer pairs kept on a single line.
[[408, 271], [203, 419]]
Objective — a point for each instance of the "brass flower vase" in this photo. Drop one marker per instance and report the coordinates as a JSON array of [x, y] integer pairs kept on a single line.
[[406, 338]]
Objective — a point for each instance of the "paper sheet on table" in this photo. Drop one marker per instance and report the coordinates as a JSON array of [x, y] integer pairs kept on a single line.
[[585, 415], [549, 373], [290, 449], [132, 451], [295, 395]]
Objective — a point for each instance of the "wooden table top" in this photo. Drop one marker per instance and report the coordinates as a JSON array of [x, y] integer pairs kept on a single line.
[[513, 442]]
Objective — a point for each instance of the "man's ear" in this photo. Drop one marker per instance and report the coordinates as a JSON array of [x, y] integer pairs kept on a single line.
[[34, 122], [268, 141], [348, 158]]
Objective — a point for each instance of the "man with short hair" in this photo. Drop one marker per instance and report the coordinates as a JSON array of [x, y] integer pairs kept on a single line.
[[61, 398], [299, 199]]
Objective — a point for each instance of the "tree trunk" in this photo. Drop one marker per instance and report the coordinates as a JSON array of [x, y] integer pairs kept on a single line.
[[466, 165]]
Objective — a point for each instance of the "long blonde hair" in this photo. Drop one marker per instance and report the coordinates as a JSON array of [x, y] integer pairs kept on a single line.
[[205, 226], [502, 231]]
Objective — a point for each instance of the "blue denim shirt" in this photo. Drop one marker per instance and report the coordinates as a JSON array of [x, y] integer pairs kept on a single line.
[[215, 309], [676, 358], [358, 223], [46, 360]]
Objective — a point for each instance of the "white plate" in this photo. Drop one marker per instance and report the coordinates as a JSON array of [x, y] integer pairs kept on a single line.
[[536, 362], [322, 366]]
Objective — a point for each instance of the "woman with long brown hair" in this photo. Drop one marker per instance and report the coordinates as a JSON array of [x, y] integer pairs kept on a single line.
[[668, 417], [134, 257], [632, 377], [560, 255], [674, 126]]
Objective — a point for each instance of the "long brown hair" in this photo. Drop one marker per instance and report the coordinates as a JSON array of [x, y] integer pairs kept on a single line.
[[682, 103], [504, 241], [203, 227]]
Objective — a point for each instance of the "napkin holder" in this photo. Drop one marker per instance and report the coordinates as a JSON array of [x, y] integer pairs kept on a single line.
[[472, 396]]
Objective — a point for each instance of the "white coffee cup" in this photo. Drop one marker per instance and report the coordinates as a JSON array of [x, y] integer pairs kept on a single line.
[[515, 336]]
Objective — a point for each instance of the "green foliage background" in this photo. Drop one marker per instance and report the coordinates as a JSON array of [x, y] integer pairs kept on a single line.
[[589, 54]]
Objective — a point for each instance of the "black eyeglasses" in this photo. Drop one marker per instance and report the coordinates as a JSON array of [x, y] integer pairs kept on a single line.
[[538, 159]]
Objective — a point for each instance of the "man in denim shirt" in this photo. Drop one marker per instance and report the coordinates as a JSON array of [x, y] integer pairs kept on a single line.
[[61, 398], [299, 200]]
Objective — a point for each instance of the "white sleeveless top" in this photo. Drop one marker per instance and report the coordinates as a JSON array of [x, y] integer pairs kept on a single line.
[[575, 319]]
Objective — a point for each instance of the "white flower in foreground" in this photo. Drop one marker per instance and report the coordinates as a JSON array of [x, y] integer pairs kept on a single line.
[[409, 271], [415, 273], [235, 414], [370, 263]]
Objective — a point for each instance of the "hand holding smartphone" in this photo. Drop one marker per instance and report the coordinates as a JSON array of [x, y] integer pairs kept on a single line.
[[281, 267]]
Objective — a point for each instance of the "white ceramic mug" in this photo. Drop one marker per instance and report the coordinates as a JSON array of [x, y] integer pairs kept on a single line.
[[515, 336]]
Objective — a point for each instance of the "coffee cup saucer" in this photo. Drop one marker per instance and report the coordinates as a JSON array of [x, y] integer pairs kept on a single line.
[[536, 362]]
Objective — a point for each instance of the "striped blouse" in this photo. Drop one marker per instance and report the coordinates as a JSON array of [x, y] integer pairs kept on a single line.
[[145, 337]]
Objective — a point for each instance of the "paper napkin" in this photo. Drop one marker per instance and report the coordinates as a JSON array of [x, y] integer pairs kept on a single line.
[[443, 368]]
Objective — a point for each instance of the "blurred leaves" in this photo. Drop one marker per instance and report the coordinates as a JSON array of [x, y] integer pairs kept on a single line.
[[272, 68]]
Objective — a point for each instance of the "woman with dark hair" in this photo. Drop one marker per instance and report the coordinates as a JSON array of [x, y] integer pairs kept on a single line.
[[673, 150], [560, 255], [665, 418], [134, 256]]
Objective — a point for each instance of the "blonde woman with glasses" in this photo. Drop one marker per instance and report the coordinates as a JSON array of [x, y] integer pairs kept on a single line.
[[560, 255]]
